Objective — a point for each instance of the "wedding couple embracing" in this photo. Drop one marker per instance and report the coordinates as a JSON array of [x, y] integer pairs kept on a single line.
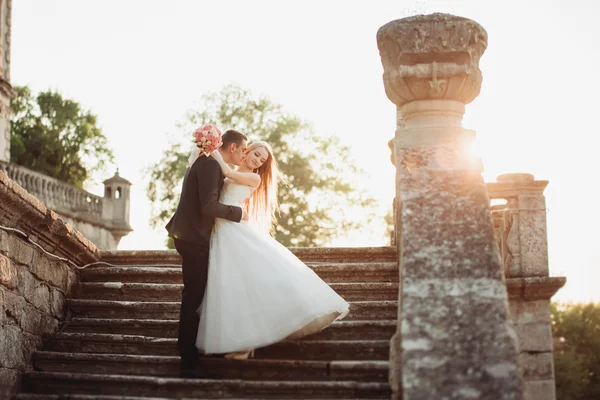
[[241, 288]]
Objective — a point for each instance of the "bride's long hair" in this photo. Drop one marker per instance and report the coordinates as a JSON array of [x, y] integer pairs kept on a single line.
[[262, 205]]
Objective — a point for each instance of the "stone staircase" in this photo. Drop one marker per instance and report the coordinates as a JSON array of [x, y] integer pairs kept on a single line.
[[120, 341]]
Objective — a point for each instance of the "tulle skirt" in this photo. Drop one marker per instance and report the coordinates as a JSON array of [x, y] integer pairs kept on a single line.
[[258, 293]]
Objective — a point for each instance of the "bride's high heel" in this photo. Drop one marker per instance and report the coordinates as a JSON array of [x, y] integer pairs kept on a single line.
[[240, 355]]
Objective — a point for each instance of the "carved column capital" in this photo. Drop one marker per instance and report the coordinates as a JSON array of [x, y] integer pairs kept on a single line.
[[431, 57]]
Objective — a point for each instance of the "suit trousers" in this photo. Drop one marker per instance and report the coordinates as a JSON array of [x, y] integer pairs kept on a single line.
[[195, 273]]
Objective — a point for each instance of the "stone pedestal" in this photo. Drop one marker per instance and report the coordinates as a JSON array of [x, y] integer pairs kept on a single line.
[[454, 337]]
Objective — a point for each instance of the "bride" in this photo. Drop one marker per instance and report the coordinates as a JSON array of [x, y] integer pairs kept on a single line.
[[258, 293]]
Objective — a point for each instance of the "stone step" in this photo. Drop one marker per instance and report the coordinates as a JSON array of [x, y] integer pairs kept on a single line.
[[98, 384], [90, 308], [212, 367], [131, 274], [306, 254], [329, 272], [172, 291], [73, 342], [46, 396], [341, 330]]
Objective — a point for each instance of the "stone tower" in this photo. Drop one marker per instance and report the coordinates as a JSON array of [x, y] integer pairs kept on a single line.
[[5, 87], [115, 206]]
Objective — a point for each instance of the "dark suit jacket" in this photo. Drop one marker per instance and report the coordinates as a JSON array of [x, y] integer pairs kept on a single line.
[[199, 203]]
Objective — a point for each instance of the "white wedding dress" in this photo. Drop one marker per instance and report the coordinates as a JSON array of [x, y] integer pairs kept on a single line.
[[258, 293]]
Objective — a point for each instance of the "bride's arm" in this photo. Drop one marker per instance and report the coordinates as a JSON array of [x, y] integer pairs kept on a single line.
[[245, 178]]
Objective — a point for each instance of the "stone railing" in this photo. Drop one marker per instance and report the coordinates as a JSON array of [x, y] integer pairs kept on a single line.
[[53, 193], [103, 220], [520, 224], [521, 234], [34, 286]]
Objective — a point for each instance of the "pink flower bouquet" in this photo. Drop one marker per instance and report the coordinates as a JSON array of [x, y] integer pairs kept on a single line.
[[208, 139]]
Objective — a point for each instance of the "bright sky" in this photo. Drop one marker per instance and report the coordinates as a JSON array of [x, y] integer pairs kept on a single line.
[[139, 65]]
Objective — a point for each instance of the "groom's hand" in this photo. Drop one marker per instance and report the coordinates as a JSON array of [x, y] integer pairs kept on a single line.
[[245, 215]]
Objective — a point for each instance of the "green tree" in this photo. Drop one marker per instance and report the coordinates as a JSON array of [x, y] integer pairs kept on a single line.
[[56, 137], [576, 327], [320, 196]]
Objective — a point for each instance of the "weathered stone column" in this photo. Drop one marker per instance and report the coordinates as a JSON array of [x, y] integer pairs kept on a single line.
[[522, 238], [454, 339], [6, 92]]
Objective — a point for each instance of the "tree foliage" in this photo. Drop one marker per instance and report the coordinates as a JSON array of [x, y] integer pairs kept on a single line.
[[577, 359], [56, 137], [320, 196]]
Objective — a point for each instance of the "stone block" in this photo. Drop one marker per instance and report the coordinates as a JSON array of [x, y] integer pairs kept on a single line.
[[534, 287], [11, 347], [18, 312], [4, 248], [10, 210], [20, 252], [29, 345], [4, 319], [52, 271], [10, 382], [34, 291], [11, 308], [540, 390], [8, 273], [536, 366], [529, 311], [57, 304], [536, 337], [533, 236], [72, 280], [33, 205]]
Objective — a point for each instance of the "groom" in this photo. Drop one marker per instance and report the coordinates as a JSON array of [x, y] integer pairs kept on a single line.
[[190, 229]]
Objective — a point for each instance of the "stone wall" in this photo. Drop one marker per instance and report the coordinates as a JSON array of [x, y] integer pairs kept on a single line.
[[33, 285]]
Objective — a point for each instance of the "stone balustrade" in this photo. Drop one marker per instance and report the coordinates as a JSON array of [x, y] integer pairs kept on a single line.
[[521, 234], [103, 220], [520, 224], [59, 196]]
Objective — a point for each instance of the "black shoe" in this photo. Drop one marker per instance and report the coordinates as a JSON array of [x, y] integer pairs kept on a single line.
[[189, 366], [190, 373]]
